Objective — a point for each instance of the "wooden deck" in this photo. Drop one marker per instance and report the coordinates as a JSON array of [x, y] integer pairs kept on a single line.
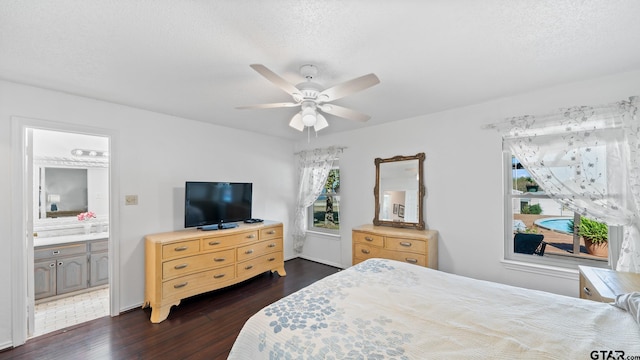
[[557, 243]]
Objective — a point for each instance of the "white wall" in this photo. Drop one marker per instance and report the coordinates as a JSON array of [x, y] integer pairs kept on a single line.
[[463, 173], [158, 153]]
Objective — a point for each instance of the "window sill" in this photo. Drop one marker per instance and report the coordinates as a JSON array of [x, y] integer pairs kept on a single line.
[[540, 269], [334, 236]]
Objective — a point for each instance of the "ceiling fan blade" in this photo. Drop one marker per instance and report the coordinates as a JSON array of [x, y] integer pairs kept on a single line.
[[268, 106], [348, 87], [296, 122], [277, 80], [321, 122], [343, 112]]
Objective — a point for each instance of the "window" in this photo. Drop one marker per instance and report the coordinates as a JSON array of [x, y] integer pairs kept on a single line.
[[324, 214], [544, 231]]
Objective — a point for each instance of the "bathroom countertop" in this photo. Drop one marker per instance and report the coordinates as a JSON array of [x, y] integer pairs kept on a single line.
[[56, 240]]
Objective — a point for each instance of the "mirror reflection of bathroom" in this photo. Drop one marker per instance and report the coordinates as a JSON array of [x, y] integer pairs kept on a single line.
[[71, 229]]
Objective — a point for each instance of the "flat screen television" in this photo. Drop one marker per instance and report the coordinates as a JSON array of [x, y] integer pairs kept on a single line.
[[210, 203]]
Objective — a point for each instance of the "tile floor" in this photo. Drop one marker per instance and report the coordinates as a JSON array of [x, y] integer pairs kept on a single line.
[[58, 314]]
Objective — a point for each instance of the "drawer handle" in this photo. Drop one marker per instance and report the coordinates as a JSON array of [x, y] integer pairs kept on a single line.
[[250, 251], [271, 232], [272, 245], [218, 276], [178, 286], [181, 248], [587, 291], [368, 238], [181, 266], [219, 259], [250, 236], [212, 243], [55, 252], [248, 267], [365, 251], [271, 259], [406, 244], [410, 260]]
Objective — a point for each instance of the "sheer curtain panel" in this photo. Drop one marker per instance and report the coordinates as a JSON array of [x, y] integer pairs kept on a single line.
[[313, 167]]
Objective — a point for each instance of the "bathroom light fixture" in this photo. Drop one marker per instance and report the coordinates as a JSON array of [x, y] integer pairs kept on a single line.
[[90, 153]]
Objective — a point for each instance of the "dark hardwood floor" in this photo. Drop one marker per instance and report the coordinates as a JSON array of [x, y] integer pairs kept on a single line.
[[201, 327]]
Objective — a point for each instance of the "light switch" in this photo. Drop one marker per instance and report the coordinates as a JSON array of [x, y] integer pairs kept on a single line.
[[131, 199]]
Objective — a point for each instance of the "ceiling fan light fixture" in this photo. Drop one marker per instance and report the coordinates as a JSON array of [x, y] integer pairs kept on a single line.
[[321, 123], [309, 116], [296, 122]]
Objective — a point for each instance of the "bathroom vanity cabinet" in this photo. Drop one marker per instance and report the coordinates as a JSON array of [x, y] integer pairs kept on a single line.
[[64, 268]]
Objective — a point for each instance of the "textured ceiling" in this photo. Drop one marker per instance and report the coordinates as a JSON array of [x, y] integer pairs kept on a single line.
[[191, 58]]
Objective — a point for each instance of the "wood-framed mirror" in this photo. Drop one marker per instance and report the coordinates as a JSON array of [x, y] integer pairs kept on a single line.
[[399, 191]]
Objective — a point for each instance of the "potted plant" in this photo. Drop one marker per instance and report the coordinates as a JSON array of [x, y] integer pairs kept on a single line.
[[595, 235], [531, 185]]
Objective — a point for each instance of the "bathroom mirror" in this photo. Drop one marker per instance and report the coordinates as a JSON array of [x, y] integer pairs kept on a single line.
[[399, 191], [62, 192]]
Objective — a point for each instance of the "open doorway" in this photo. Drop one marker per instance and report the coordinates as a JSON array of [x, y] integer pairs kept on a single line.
[[70, 192], [22, 219]]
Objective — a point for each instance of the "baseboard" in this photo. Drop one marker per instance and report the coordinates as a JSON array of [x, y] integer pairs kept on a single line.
[[6, 346], [321, 261]]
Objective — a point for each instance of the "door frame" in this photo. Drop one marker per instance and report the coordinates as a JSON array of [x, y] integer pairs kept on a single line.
[[22, 224]]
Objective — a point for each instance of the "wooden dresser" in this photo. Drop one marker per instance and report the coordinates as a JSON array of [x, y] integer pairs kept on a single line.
[[413, 246], [185, 263], [604, 285]]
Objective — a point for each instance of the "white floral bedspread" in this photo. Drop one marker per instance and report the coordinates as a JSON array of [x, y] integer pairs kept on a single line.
[[384, 309]]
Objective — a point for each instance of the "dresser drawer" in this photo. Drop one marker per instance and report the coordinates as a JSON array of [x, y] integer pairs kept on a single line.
[[219, 242], [410, 245], [588, 291], [375, 240], [236, 239], [59, 251], [408, 257], [271, 233], [257, 249], [259, 265], [182, 248], [191, 264], [366, 251], [99, 245], [192, 284]]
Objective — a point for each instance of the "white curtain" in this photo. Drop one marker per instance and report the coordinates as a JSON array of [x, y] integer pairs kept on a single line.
[[313, 166], [588, 159]]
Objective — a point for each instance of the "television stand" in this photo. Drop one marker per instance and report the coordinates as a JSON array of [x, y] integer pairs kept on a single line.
[[218, 226], [185, 263]]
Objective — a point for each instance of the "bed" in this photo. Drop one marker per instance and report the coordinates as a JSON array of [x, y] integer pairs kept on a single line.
[[385, 309]]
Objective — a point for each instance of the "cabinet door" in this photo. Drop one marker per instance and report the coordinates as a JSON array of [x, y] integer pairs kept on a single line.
[[71, 274], [44, 279], [99, 267]]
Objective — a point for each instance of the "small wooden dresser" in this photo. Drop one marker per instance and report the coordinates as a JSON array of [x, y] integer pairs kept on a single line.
[[413, 246], [604, 285], [185, 263]]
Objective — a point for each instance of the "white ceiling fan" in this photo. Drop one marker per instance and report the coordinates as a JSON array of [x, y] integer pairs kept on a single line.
[[313, 99]]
